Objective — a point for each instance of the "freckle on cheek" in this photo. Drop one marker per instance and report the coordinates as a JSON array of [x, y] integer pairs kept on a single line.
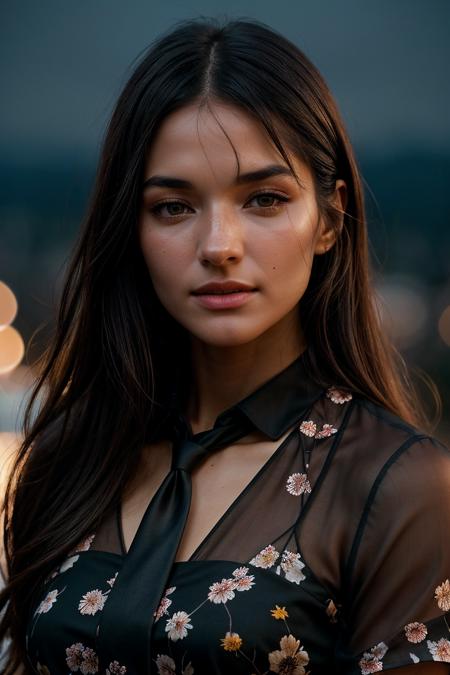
[[274, 268]]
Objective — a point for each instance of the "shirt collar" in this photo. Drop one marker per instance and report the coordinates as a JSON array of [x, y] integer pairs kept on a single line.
[[280, 402]]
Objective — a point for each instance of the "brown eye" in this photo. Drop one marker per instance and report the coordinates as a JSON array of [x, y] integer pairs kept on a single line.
[[175, 209], [265, 197]]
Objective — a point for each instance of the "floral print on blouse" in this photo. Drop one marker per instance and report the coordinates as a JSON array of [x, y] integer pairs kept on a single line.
[[284, 583]]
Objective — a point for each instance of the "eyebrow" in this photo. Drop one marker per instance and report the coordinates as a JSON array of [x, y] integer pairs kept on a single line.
[[250, 177]]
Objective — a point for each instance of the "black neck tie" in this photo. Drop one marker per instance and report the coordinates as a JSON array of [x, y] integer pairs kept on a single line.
[[124, 632]]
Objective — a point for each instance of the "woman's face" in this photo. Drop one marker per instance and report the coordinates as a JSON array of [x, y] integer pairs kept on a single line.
[[198, 225]]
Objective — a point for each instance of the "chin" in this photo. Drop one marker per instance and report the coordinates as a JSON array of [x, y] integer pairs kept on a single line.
[[226, 336]]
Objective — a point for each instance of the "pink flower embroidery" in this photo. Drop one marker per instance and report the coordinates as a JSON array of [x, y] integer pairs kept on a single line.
[[244, 583], [297, 484], [326, 431], [371, 661], [92, 602], [81, 658], [164, 604], [308, 427], [440, 650], [74, 656], [442, 595], [415, 632], [90, 662], [177, 625], [222, 591], [240, 572], [84, 545], [338, 395], [265, 558], [369, 664]]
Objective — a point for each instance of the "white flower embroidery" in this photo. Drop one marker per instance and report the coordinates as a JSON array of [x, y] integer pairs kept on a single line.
[[68, 563], [265, 558], [442, 595], [297, 484], [111, 582], [92, 602], [379, 650], [73, 556], [338, 395], [415, 632], [440, 650], [414, 658], [116, 669], [222, 591], [177, 625], [47, 602], [165, 665], [308, 427], [292, 566]]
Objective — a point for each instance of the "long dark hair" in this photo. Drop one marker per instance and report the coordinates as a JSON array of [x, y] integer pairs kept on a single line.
[[102, 385]]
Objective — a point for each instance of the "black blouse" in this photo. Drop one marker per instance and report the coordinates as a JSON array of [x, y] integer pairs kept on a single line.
[[335, 558]]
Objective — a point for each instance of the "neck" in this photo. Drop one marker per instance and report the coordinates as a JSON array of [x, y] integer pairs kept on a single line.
[[222, 376]]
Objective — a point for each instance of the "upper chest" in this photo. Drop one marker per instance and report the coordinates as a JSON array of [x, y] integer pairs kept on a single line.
[[216, 483]]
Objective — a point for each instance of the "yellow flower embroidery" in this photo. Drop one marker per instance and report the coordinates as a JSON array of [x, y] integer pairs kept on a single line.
[[279, 612], [231, 642]]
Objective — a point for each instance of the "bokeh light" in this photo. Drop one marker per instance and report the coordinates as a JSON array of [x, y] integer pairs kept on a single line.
[[12, 349], [8, 305], [404, 310]]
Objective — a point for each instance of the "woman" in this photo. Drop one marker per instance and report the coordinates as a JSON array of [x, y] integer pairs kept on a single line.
[[228, 473]]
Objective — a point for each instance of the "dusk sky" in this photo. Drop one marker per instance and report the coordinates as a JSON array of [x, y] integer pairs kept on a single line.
[[63, 63]]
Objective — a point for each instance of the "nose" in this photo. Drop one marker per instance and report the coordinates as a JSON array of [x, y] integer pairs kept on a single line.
[[221, 241]]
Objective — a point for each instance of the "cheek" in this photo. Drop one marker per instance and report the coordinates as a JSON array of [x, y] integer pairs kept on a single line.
[[288, 257], [162, 256]]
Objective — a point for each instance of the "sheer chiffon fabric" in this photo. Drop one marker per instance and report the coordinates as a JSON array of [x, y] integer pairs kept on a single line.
[[334, 558]]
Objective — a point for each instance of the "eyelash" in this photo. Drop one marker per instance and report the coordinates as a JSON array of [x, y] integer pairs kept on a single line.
[[156, 210]]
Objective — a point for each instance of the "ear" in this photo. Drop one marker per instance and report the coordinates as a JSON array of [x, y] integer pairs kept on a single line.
[[327, 232]]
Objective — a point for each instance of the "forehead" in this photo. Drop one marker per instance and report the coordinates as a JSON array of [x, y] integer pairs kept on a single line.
[[202, 139]]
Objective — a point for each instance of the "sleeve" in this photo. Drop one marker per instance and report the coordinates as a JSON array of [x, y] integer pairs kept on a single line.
[[397, 580]]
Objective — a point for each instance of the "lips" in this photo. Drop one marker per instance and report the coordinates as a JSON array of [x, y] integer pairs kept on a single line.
[[223, 288]]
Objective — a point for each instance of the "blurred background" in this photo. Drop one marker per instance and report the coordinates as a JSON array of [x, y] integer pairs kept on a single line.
[[62, 67]]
